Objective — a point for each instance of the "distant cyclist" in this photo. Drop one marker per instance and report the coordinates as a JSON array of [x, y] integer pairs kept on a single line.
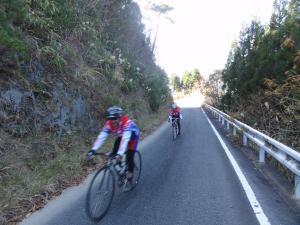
[[175, 113], [127, 137]]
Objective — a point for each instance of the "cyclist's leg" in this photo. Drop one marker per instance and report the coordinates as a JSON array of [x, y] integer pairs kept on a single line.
[[130, 167], [132, 146], [178, 122], [129, 160]]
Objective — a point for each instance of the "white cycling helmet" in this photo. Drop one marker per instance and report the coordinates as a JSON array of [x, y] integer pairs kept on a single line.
[[114, 112], [174, 106]]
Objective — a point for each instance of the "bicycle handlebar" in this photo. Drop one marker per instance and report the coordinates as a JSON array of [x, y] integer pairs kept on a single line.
[[100, 153], [105, 155]]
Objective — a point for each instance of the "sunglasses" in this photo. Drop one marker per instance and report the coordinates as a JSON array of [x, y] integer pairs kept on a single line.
[[113, 118]]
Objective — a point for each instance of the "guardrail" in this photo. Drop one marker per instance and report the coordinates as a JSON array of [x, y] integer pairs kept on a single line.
[[287, 156]]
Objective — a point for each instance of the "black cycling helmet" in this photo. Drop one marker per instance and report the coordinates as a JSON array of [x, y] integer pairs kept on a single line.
[[114, 112]]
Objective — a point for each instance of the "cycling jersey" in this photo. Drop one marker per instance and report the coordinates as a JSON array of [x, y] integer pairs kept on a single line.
[[127, 129], [175, 112]]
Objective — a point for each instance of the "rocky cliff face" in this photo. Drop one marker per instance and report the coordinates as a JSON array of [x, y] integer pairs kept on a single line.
[[43, 106]]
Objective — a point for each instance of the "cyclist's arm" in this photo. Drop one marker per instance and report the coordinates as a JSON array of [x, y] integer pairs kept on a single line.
[[170, 116], [124, 142], [100, 140]]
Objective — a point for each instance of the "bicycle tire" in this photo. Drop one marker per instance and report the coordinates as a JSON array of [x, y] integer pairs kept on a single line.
[[137, 168], [174, 131], [89, 197]]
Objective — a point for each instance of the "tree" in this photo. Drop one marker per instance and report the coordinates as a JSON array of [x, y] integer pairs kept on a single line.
[[159, 10], [213, 88], [187, 81], [279, 14], [157, 89], [263, 53], [176, 83], [197, 79]]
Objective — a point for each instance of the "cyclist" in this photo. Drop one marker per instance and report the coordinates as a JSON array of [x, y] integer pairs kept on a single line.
[[127, 137], [175, 113]]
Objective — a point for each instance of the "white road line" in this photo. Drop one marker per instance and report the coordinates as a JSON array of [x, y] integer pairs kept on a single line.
[[258, 211]]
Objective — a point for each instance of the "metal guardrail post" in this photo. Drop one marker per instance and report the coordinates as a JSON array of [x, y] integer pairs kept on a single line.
[[262, 154], [228, 125], [220, 118], [234, 131], [223, 121], [245, 140], [297, 186]]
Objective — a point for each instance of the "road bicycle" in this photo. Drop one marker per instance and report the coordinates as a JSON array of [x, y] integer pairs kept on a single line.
[[103, 184], [175, 127]]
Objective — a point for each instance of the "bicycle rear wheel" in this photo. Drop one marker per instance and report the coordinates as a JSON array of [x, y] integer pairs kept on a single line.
[[100, 194], [137, 168]]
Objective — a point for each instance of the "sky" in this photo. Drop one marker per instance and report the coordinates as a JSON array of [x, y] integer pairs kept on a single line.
[[202, 33]]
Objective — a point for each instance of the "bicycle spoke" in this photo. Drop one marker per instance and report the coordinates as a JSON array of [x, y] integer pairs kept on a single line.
[[100, 194], [95, 207]]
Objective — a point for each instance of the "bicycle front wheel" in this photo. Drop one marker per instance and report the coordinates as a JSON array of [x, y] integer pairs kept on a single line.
[[100, 194], [174, 131], [137, 168]]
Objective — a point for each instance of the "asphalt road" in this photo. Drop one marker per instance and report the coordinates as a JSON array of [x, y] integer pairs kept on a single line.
[[184, 182]]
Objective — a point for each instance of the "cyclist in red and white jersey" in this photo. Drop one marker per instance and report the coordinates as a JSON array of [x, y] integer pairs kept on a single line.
[[126, 133], [175, 112]]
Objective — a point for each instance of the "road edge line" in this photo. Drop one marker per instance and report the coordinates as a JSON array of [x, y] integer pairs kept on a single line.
[[258, 211]]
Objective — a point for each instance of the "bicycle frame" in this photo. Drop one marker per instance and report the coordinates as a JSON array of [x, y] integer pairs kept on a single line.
[[112, 163]]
